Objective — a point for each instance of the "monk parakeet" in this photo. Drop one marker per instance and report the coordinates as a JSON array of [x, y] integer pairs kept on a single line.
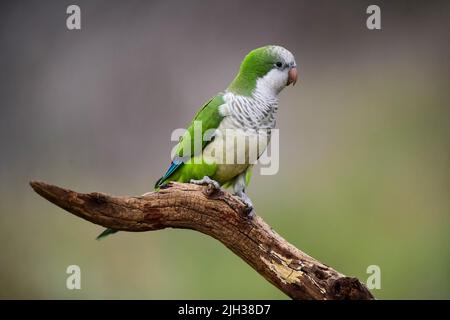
[[247, 107]]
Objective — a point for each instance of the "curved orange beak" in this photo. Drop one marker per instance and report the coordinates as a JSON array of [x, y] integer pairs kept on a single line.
[[292, 76]]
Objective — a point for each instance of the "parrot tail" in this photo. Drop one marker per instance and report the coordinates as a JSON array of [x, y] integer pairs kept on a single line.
[[106, 233]]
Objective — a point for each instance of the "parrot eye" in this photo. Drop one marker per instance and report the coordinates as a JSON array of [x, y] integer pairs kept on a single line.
[[279, 64]]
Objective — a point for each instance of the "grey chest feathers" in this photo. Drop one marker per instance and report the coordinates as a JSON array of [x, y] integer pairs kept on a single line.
[[249, 113]]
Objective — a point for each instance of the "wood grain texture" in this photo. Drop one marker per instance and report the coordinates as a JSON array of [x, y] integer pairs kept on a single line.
[[221, 216]]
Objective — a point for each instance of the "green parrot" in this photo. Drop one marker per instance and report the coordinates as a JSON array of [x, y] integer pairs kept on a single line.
[[246, 108]]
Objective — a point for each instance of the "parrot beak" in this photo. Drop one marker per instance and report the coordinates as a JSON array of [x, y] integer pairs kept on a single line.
[[292, 76]]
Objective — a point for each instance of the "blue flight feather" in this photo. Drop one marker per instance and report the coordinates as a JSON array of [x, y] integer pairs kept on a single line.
[[174, 165]]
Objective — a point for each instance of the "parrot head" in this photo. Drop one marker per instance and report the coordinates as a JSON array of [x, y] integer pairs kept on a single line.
[[266, 70]]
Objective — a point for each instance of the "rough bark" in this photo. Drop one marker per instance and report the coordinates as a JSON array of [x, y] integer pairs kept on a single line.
[[221, 216]]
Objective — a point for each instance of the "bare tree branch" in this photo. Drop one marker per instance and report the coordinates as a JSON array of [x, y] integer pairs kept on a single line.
[[219, 215]]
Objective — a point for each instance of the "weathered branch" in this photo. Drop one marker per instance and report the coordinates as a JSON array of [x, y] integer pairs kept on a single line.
[[219, 215]]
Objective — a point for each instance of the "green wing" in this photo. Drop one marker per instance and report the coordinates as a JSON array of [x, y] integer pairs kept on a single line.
[[210, 118]]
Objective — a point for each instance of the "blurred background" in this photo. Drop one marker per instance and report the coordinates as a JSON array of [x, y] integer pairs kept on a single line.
[[364, 176]]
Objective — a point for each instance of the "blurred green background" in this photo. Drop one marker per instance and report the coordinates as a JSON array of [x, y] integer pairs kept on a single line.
[[364, 176]]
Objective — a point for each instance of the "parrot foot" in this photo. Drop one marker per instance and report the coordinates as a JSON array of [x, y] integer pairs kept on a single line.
[[249, 210], [212, 185]]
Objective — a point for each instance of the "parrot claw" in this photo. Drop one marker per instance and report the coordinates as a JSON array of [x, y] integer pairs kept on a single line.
[[206, 181], [249, 210]]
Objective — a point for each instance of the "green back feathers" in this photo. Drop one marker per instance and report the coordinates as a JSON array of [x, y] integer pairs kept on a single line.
[[255, 65], [210, 118]]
